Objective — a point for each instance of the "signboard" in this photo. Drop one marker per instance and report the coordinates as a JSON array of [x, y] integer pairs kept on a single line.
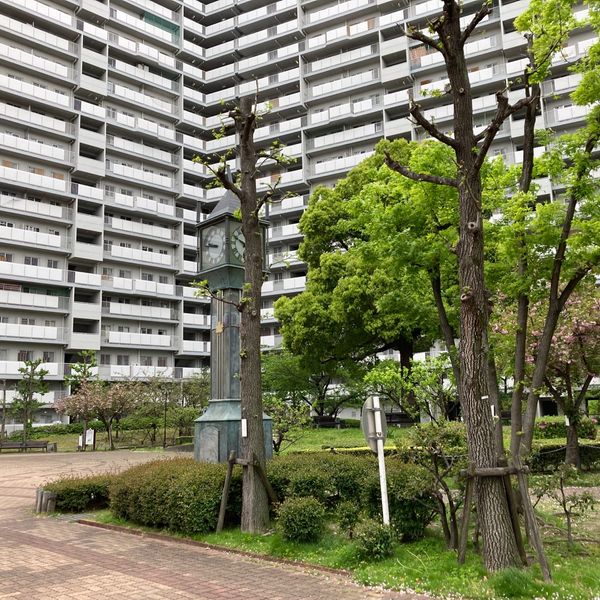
[[90, 439], [368, 425]]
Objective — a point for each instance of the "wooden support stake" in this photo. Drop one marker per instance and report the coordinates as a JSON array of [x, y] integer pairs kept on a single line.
[[223, 508], [263, 477], [464, 526], [514, 516], [532, 525]]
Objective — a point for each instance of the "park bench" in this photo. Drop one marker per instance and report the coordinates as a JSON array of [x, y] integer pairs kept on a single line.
[[327, 421], [399, 419], [21, 446]]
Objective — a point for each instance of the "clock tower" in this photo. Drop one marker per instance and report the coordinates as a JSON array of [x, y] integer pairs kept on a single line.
[[221, 248]]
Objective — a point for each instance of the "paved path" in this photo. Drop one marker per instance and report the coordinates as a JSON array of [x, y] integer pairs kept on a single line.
[[50, 559]]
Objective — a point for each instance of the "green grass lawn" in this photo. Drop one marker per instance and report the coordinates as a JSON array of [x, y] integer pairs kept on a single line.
[[427, 566]]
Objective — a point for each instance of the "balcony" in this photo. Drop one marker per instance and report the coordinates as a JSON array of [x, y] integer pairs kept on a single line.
[[143, 27], [84, 251], [337, 11], [140, 286], [27, 272], [32, 238], [340, 164], [194, 347], [30, 118], [348, 135], [143, 74], [137, 98], [34, 333], [38, 64], [86, 310], [142, 229], [288, 203], [34, 208], [142, 125], [89, 222], [28, 90], [33, 301], [120, 338], [138, 255], [144, 204], [157, 9], [139, 174], [138, 311], [284, 231], [83, 341], [10, 368], [46, 12], [271, 341], [83, 278], [38, 35], [195, 320], [291, 284]]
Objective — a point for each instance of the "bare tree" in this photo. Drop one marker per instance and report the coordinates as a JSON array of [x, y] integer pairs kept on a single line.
[[255, 508], [470, 150]]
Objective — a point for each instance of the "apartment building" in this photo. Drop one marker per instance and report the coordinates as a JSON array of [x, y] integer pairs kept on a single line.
[[105, 103]]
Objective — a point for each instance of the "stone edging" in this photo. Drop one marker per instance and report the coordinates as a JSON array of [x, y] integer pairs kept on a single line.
[[168, 538]]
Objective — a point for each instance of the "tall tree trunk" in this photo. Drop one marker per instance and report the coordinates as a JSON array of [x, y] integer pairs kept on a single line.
[[572, 455], [499, 545], [255, 507], [406, 347]]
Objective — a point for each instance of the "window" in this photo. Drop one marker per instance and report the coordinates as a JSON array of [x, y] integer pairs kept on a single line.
[[3, 319], [31, 260], [123, 360], [27, 321], [24, 355], [124, 274], [52, 264], [50, 323], [48, 357], [105, 359], [162, 332], [6, 257], [146, 361], [107, 271], [125, 244], [162, 251], [161, 361], [147, 277], [163, 279], [146, 330], [147, 248], [6, 224], [123, 329]]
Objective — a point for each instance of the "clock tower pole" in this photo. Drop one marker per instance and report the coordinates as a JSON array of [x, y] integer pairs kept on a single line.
[[221, 262]]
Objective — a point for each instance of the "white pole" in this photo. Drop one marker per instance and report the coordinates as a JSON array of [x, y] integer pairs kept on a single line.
[[385, 509]]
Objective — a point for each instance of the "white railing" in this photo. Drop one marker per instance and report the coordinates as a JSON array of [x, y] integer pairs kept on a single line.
[[142, 73], [139, 174], [141, 339], [140, 285], [37, 208], [291, 283], [137, 310], [195, 346], [141, 149], [15, 234], [336, 10], [347, 135], [132, 21], [11, 367], [140, 98], [36, 34], [142, 228], [27, 178], [38, 63], [199, 320], [37, 332], [44, 10], [135, 254], [32, 146], [33, 118], [340, 163], [23, 299], [344, 83], [28, 89]]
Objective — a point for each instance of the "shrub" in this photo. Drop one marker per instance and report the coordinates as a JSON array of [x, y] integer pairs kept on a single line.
[[179, 494], [301, 519], [348, 515], [78, 494], [411, 500], [374, 540], [554, 427]]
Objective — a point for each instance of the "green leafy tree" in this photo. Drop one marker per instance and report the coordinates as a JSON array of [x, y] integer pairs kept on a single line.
[[81, 373], [29, 387]]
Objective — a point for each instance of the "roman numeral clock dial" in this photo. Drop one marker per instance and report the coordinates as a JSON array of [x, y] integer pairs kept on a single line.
[[213, 247]]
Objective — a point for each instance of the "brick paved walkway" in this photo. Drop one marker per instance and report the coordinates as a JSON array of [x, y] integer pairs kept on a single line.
[[50, 559]]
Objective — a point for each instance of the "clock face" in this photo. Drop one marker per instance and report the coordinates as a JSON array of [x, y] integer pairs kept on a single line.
[[213, 246], [238, 245]]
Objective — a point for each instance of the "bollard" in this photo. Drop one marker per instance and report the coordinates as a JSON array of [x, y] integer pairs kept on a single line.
[[51, 505], [45, 498], [38, 500]]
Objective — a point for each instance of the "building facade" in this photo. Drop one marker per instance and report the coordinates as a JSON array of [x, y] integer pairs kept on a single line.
[[105, 103]]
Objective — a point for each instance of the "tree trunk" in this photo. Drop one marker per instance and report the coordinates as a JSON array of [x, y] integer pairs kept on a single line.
[[499, 545], [255, 506], [406, 347], [572, 455]]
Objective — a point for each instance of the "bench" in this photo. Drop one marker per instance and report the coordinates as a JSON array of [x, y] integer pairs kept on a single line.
[[27, 445], [327, 421], [399, 419]]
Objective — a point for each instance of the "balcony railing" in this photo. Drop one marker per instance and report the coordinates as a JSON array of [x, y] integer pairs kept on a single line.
[[33, 332], [143, 229], [136, 254], [25, 299], [36, 208], [138, 311], [11, 368], [38, 63], [28, 89], [136, 339]]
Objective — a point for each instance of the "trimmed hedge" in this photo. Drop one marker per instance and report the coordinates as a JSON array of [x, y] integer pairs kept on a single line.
[[547, 457], [554, 427], [79, 494], [178, 494]]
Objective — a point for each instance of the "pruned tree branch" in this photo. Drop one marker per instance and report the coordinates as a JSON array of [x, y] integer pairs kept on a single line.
[[429, 127], [224, 180], [419, 36], [504, 111], [481, 14], [422, 177]]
